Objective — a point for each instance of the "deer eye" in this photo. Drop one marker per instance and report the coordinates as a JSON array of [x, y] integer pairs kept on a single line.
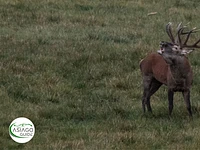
[[175, 48]]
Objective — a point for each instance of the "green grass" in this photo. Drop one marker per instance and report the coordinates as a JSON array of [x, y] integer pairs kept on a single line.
[[72, 67]]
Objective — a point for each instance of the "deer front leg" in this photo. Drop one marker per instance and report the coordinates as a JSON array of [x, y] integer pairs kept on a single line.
[[186, 95], [170, 99]]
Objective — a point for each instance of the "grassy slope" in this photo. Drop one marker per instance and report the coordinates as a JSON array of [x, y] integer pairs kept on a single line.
[[72, 68]]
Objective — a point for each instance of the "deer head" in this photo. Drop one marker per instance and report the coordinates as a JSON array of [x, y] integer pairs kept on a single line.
[[171, 51]]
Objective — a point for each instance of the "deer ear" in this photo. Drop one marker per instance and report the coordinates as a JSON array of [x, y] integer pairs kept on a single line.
[[186, 51]]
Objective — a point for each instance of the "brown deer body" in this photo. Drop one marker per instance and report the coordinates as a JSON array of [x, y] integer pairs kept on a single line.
[[170, 67]]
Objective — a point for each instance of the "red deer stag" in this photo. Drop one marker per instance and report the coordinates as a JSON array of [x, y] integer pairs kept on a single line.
[[170, 67]]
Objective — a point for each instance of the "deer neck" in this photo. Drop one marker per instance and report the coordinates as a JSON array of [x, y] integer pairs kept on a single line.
[[177, 68]]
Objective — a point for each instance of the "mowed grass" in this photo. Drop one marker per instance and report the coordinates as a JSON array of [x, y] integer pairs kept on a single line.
[[72, 67]]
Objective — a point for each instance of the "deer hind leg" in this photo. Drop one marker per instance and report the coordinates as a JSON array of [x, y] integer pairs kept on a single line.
[[146, 84], [155, 85], [186, 95], [151, 85]]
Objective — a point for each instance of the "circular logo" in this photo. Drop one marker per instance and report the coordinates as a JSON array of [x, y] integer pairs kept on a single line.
[[21, 130]]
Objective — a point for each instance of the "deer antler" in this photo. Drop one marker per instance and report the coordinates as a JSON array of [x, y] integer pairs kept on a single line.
[[180, 32]]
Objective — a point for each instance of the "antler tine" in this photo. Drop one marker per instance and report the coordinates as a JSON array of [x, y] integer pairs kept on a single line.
[[179, 26], [194, 30], [169, 31], [188, 35], [178, 39], [179, 42], [195, 44]]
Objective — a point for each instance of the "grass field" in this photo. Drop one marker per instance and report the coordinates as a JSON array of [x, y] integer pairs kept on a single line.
[[72, 67]]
